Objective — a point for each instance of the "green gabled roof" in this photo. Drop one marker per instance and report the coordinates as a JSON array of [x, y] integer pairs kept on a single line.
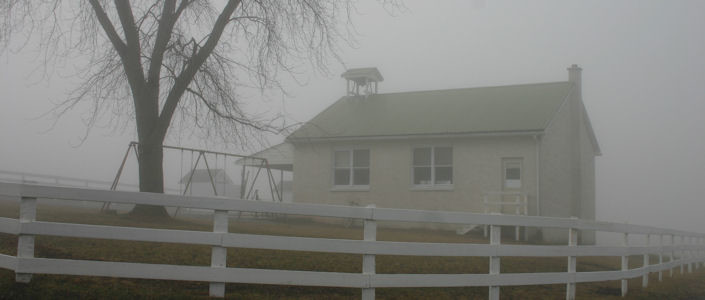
[[513, 108]]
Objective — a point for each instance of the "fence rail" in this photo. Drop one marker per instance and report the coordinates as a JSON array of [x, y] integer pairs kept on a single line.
[[66, 181], [688, 251]]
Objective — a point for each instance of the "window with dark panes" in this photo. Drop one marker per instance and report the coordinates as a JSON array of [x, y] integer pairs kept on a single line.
[[351, 167], [433, 166], [512, 173]]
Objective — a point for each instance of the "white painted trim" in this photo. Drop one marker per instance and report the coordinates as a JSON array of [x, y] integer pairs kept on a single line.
[[350, 188], [591, 132], [560, 108], [433, 186], [351, 167], [437, 187], [503, 177], [419, 136]]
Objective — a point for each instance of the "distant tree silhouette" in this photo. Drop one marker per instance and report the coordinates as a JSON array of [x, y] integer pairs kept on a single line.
[[185, 59]]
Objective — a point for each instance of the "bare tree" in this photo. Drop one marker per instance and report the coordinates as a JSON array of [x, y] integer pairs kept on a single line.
[[184, 59]]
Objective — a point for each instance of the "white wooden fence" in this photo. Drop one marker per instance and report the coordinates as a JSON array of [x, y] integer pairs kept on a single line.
[[683, 248]]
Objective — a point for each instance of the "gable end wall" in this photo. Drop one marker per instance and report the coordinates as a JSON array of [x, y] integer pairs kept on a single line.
[[567, 170]]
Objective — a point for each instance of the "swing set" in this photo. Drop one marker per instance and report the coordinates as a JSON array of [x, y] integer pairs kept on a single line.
[[221, 159]]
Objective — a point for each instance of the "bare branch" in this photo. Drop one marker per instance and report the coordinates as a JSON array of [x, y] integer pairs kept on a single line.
[[104, 20], [166, 27], [194, 64]]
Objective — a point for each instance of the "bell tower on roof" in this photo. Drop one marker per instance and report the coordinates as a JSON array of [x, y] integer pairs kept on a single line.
[[362, 81]]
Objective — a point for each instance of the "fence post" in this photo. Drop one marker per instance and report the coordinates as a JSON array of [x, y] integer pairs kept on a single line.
[[660, 257], [702, 241], [526, 213], [516, 212], [672, 255], [698, 253], [645, 265], [368, 260], [495, 239], [694, 252], [625, 262], [25, 242], [218, 253], [486, 211], [681, 253], [572, 242], [689, 242], [701, 252]]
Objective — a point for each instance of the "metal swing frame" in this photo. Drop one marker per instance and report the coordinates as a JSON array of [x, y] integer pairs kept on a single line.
[[245, 193]]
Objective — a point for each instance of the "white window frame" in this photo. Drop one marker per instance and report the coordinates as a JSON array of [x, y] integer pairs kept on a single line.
[[351, 167], [433, 185], [506, 162]]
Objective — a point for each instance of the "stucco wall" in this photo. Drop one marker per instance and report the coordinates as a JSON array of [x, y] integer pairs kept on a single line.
[[477, 167]]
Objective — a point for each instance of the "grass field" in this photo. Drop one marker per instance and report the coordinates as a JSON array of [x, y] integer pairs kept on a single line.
[[688, 286]]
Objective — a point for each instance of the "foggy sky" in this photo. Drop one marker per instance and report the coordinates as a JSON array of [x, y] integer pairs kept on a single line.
[[643, 86]]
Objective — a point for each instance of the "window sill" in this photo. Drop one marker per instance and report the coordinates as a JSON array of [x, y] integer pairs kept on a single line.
[[350, 188], [445, 187]]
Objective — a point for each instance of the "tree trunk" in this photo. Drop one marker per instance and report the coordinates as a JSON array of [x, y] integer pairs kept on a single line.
[[151, 176]]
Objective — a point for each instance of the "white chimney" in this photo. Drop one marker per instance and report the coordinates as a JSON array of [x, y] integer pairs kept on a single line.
[[575, 76]]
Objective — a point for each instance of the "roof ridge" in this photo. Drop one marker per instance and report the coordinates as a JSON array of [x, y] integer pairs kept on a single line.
[[471, 88], [498, 108]]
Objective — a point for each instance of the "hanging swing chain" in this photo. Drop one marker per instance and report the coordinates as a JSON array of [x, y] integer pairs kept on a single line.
[[254, 180], [225, 172], [181, 171], [208, 170], [272, 183], [190, 177]]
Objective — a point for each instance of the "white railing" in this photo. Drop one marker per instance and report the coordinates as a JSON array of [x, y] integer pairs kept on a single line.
[[496, 202], [688, 252]]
